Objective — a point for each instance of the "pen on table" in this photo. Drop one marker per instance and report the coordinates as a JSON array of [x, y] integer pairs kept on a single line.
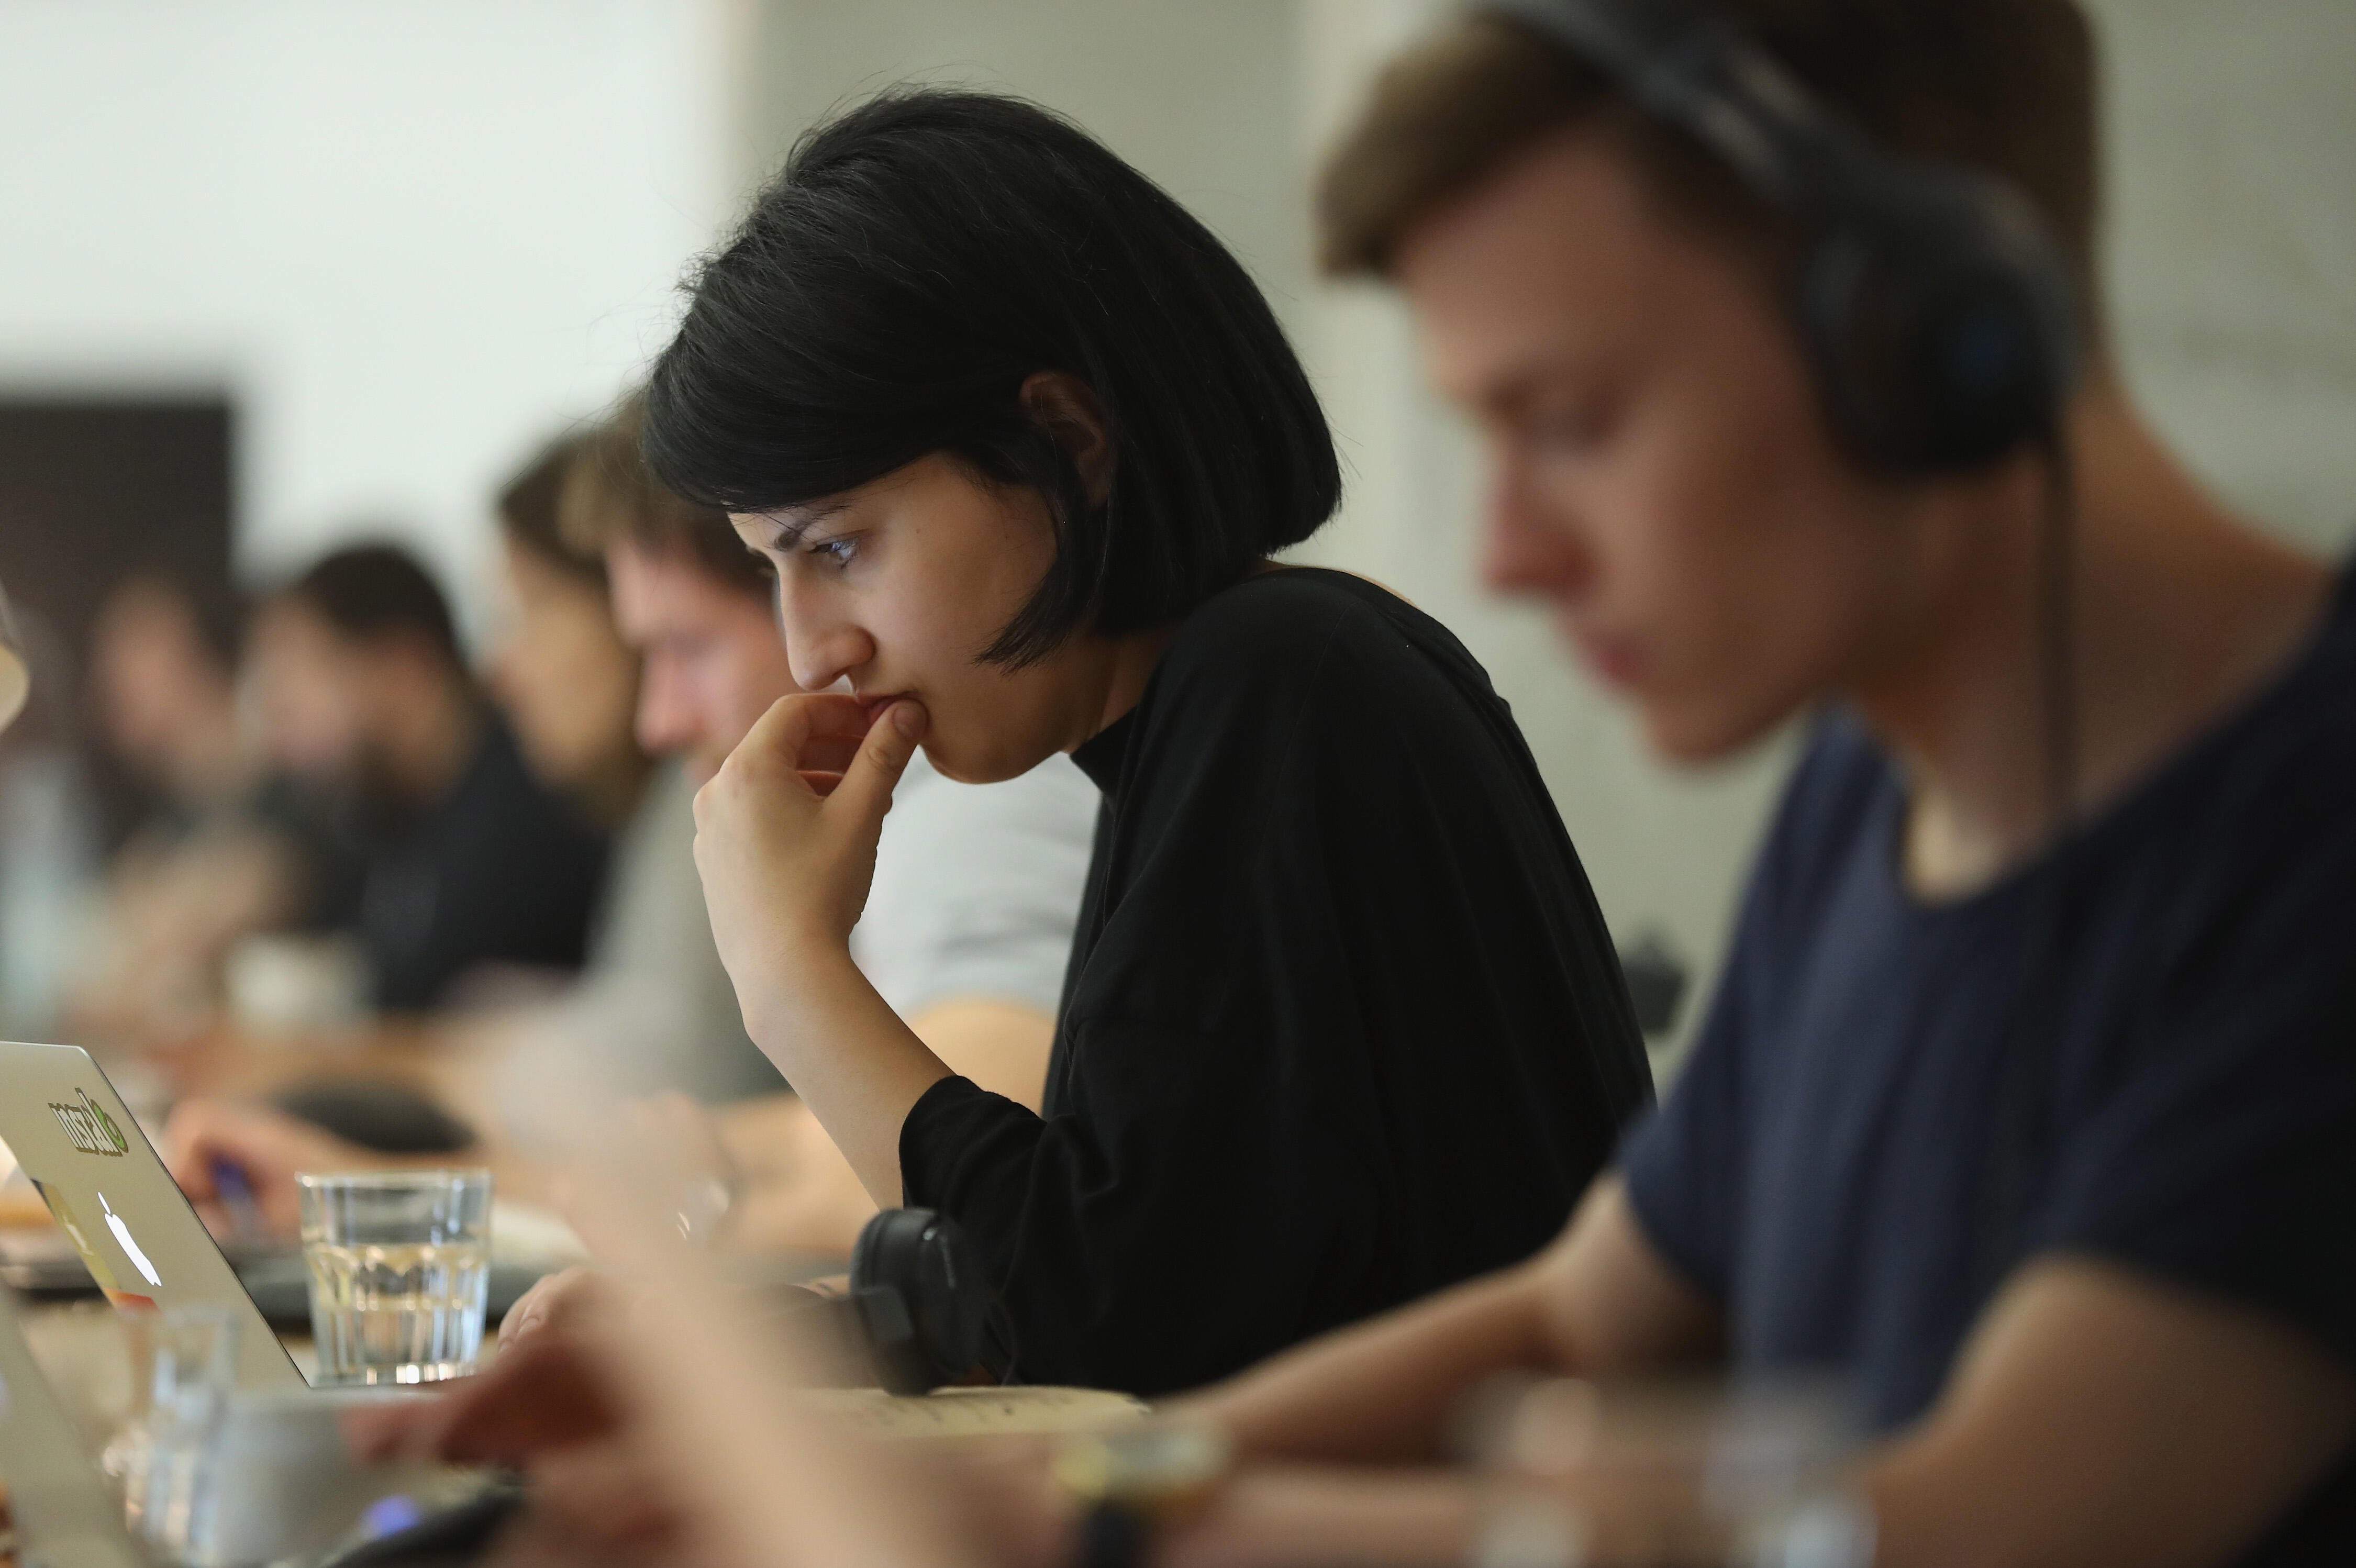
[[235, 1190]]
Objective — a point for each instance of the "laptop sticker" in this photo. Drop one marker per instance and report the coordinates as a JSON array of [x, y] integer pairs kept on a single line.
[[91, 1258], [130, 1248]]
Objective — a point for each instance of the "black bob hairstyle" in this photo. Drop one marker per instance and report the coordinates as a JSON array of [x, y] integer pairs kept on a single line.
[[918, 258]]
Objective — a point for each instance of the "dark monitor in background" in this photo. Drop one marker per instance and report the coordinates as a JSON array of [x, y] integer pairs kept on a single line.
[[92, 490]]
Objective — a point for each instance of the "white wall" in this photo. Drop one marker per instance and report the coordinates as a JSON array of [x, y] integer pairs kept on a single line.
[[2231, 132], [1199, 95], [409, 235]]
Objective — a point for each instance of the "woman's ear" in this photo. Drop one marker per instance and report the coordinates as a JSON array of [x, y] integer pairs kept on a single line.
[[1066, 407]]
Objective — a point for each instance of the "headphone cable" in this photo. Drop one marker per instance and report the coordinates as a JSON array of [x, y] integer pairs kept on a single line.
[[2030, 1039]]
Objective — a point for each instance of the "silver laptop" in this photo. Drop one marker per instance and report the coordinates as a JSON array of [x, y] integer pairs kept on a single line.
[[64, 1515], [120, 1209]]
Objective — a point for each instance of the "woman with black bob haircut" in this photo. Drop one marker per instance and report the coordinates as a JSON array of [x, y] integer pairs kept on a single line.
[[1341, 1023]]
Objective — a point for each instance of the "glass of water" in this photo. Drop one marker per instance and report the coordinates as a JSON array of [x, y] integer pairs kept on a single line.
[[1669, 1475], [400, 1266], [170, 1496]]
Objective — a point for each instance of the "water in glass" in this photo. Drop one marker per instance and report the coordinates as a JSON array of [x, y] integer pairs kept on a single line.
[[403, 1312], [400, 1265]]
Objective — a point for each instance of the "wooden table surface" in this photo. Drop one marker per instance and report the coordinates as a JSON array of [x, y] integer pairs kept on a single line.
[[86, 1353]]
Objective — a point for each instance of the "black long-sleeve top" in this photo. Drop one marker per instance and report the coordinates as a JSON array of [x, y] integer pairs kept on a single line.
[[1343, 1024]]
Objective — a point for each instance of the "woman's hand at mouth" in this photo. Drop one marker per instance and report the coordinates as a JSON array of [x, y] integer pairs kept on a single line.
[[786, 831], [785, 839]]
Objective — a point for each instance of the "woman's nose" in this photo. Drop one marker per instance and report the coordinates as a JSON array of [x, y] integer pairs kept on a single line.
[[821, 646]]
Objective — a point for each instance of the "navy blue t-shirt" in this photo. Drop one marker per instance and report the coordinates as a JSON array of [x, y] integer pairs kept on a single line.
[[1822, 1166]]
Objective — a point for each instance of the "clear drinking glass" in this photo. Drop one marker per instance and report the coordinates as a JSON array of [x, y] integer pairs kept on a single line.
[[400, 1266], [124, 1461], [170, 1498], [1670, 1475]]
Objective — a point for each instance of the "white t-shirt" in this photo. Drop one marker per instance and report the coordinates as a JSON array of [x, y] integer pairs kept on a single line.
[[976, 890], [977, 887]]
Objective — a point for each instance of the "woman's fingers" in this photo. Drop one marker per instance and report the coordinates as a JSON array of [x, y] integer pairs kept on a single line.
[[188, 1144], [821, 736], [558, 1298], [785, 833], [867, 784], [607, 1490], [815, 730], [813, 736]]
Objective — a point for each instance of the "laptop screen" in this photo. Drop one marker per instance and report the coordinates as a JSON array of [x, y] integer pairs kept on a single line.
[[120, 1209]]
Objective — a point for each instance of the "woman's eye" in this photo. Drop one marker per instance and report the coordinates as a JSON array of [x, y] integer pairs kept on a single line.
[[838, 551]]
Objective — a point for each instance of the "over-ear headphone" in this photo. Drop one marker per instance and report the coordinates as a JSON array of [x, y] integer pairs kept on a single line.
[[1938, 316], [927, 1315]]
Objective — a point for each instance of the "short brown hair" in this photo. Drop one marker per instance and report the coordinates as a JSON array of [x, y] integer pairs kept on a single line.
[[2006, 86], [530, 515], [610, 496]]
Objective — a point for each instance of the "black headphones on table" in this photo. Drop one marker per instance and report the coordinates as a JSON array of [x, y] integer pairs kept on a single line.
[[1939, 317], [926, 1313]]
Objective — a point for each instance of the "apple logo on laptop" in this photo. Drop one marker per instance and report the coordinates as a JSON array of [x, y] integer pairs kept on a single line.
[[130, 1248]]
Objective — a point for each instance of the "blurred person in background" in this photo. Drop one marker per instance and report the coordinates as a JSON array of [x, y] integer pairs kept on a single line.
[[565, 682], [655, 991], [163, 675], [469, 865], [557, 666], [213, 855]]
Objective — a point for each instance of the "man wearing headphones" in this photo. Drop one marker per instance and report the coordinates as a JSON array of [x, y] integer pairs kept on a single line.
[[2027, 1104]]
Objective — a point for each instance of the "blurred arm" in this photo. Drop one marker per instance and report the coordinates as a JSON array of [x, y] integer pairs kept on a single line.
[[1002, 1046], [1599, 1300], [269, 1146], [2122, 1422], [800, 1193], [2097, 1419], [272, 1147]]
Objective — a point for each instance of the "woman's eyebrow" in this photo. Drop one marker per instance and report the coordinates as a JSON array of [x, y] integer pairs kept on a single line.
[[790, 534]]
